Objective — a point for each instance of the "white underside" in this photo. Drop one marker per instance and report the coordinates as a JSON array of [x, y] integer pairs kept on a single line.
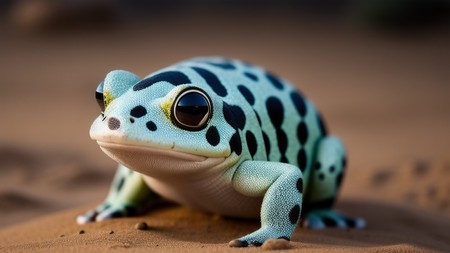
[[196, 181]]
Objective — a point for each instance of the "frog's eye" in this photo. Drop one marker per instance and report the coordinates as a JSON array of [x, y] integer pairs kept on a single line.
[[191, 110], [99, 96]]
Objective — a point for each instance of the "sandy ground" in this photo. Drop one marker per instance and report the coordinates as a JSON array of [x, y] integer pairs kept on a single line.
[[177, 229], [386, 96]]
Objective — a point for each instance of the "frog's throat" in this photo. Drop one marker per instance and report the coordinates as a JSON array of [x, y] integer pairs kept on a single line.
[[154, 151]]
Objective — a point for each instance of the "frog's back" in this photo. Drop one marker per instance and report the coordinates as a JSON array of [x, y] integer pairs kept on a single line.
[[272, 119]]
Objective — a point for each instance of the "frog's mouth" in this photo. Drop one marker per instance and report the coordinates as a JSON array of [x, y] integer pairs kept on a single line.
[[159, 162], [153, 151]]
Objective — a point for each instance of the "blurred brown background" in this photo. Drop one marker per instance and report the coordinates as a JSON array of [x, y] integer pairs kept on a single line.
[[378, 70]]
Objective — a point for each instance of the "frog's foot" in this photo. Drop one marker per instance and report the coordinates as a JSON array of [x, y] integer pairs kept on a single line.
[[282, 186], [105, 212], [319, 219], [258, 237], [128, 196]]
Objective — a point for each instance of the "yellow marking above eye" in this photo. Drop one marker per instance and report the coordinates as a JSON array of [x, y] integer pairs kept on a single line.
[[166, 106], [107, 97], [167, 102]]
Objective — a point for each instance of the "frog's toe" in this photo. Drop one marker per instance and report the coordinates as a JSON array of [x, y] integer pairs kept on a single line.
[[314, 222], [110, 214], [258, 237], [117, 211], [106, 212], [356, 222], [238, 243], [87, 217], [327, 218]]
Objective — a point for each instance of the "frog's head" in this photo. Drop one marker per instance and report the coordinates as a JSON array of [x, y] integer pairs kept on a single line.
[[163, 125]]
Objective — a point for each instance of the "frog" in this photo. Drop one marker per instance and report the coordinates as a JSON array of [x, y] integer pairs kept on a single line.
[[223, 136]]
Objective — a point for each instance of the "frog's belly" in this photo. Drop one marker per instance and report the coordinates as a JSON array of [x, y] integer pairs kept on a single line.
[[210, 195]]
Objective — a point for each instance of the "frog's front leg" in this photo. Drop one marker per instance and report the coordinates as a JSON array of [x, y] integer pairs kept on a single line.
[[281, 184], [128, 196]]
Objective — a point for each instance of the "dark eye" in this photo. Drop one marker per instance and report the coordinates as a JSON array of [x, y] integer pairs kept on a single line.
[[191, 110], [99, 96]]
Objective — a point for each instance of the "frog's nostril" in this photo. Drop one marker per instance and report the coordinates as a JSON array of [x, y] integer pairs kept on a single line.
[[113, 123]]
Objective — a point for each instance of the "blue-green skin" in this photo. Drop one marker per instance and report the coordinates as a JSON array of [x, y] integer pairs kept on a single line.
[[217, 177]]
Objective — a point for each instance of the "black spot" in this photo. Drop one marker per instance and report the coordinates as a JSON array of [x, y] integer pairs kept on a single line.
[[131, 210], [321, 176], [116, 214], [294, 214], [322, 127], [351, 223], [317, 166], [299, 103], [120, 184], [138, 111], [258, 118], [274, 80], [332, 169], [212, 81], [302, 159], [229, 117], [344, 162], [251, 76], [275, 110], [212, 136], [284, 237], [300, 185], [234, 116], [339, 180], [235, 143], [284, 159], [247, 94], [151, 126], [113, 123], [282, 143], [256, 243], [251, 143], [131, 119], [266, 144], [302, 133], [224, 65], [173, 77], [329, 222]]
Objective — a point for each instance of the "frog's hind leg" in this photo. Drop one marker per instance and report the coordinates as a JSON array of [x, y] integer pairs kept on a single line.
[[128, 196], [325, 180]]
